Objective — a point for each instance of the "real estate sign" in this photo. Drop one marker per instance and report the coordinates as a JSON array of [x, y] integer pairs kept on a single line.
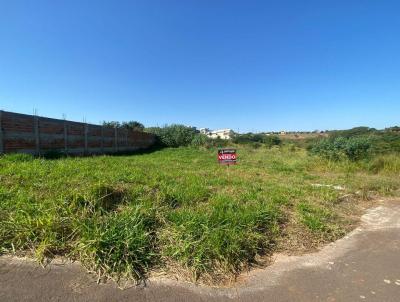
[[227, 156]]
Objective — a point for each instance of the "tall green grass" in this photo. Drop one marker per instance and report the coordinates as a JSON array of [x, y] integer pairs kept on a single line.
[[221, 236], [385, 164], [177, 209]]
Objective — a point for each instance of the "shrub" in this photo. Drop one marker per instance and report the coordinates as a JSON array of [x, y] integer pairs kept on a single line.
[[272, 140], [355, 148], [247, 138], [200, 140], [256, 145], [219, 142], [174, 135], [131, 125], [251, 138], [325, 148], [354, 132]]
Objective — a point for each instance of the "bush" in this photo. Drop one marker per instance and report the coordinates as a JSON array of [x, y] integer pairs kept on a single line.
[[256, 145], [200, 140], [247, 138], [251, 138], [354, 148], [326, 149], [357, 148], [174, 135], [131, 125], [219, 142], [382, 141], [272, 140], [354, 132]]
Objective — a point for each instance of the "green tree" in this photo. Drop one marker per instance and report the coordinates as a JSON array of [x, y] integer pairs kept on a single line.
[[174, 135], [133, 125], [112, 124], [353, 148]]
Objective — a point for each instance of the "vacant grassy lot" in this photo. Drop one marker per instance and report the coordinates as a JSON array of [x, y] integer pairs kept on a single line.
[[177, 210]]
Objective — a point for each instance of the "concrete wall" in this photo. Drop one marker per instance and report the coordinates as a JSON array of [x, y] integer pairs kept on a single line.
[[39, 135]]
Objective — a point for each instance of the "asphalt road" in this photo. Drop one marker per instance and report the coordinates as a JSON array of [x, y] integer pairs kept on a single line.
[[363, 266]]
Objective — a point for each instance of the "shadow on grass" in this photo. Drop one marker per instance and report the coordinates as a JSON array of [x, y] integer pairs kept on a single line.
[[57, 154]]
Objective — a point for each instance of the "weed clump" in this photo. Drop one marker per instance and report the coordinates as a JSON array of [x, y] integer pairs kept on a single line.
[[26, 224], [224, 237], [122, 244], [319, 220]]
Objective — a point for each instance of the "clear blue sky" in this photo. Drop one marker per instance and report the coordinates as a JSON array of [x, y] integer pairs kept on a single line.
[[247, 65]]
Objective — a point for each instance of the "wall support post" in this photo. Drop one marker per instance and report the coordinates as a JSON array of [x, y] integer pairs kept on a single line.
[[86, 138], [115, 139], [1, 134], [102, 139], [65, 137], [36, 133]]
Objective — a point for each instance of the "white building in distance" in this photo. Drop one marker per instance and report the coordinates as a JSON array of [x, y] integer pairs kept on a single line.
[[222, 133]]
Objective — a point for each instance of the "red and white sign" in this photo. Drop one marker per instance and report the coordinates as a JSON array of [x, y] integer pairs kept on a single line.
[[227, 156]]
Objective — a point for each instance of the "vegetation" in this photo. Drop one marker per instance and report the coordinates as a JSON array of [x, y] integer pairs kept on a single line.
[[257, 139], [353, 148], [382, 141], [179, 211], [181, 136], [131, 125], [174, 135]]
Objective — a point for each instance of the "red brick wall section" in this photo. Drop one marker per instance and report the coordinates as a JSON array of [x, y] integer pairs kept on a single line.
[[20, 133]]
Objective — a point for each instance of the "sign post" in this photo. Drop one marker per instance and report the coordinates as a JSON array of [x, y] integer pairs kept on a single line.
[[227, 156]]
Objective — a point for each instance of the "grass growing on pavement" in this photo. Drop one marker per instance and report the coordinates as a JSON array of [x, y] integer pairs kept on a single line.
[[177, 209]]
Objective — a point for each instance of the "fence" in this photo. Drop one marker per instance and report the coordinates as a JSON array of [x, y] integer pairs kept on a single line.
[[39, 135]]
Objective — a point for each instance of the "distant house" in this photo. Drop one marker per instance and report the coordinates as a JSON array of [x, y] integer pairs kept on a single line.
[[222, 133], [205, 131]]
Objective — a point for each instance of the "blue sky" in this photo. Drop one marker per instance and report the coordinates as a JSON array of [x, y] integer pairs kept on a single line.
[[246, 65]]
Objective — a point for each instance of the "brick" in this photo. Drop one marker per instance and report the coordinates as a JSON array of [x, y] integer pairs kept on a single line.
[[19, 130]]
